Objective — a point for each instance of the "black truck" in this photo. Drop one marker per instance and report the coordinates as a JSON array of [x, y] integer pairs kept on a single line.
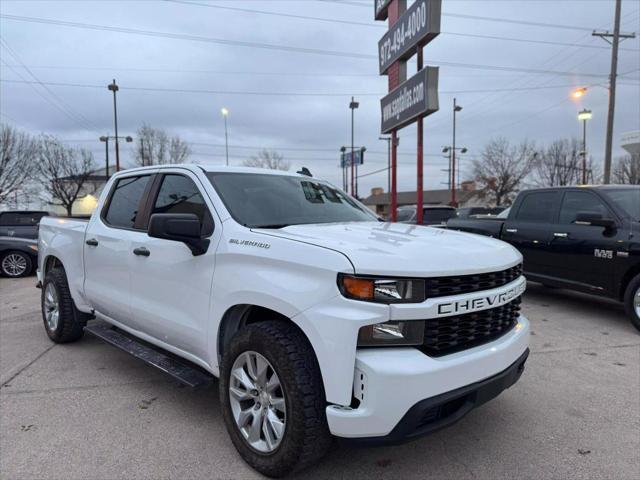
[[582, 238]]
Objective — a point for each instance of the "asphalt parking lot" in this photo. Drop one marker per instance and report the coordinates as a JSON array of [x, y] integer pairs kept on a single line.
[[89, 411]]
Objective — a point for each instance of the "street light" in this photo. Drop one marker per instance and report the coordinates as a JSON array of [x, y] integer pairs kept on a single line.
[[225, 114], [579, 92], [105, 139], [354, 168], [584, 115]]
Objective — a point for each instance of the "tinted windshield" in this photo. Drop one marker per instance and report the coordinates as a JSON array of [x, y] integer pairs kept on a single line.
[[274, 201], [21, 218], [627, 199]]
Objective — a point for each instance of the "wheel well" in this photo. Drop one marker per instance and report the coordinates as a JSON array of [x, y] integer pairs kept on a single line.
[[626, 279], [49, 263], [239, 316]]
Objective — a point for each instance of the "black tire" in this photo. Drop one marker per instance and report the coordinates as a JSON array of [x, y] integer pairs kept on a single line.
[[6, 269], [633, 290], [71, 322], [306, 436]]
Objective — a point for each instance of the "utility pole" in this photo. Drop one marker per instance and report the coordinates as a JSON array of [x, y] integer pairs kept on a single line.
[[105, 139], [353, 105], [114, 88], [615, 42], [225, 114]]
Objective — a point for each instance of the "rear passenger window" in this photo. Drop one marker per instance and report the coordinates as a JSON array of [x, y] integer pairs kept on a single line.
[[538, 207], [125, 199], [178, 194]]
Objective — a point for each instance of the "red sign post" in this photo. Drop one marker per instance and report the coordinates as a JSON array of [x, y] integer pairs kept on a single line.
[[408, 100]]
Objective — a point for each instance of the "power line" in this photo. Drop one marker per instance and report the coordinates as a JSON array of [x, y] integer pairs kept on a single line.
[[180, 36], [381, 26], [485, 18], [53, 98], [276, 94]]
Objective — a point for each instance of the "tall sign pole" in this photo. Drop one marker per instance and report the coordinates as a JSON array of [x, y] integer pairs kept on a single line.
[[420, 159], [114, 88], [409, 100]]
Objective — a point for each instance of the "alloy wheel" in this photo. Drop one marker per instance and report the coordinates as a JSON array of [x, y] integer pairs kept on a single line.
[[51, 306], [14, 265], [636, 302], [257, 401]]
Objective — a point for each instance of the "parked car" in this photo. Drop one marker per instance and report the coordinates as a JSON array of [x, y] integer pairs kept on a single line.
[[320, 320], [18, 256], [581, 238], [469, 212], [432, 214], [21, 223]]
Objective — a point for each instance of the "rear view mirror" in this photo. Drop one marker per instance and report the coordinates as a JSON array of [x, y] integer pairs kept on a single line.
[[594, 219], [179, 227]]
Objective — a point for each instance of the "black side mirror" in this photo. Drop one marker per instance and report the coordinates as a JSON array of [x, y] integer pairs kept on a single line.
[[594, 219], [179, 227]]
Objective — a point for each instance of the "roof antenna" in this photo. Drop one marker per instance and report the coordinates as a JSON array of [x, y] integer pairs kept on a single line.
[[305, 171]]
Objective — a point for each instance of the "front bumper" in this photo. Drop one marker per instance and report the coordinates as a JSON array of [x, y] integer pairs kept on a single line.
[[397, 386]]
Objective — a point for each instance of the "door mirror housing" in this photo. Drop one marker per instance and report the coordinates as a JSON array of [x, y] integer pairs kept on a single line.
[[594, 219], [179, 227]]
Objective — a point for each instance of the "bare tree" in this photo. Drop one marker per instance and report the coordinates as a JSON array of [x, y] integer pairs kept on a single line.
[[17, 159], [502, 169], [561, 164], [268, 159], [64, 172], [627, 170], [155, 147]]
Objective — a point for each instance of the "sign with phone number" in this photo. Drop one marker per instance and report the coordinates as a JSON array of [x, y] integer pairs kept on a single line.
[[416, 27]]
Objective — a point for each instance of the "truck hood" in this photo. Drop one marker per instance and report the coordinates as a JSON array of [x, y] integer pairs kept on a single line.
[[396, 249]]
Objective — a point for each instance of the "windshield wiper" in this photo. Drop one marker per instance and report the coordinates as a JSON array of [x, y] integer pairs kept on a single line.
[[274, 226]]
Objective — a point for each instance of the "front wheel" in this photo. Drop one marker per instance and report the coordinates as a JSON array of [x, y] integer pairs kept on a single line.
[[632, 301], [273, 400], [15, 264]]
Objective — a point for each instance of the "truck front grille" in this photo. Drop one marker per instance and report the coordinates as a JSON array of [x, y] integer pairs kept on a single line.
[[444, 286], [446, 335]]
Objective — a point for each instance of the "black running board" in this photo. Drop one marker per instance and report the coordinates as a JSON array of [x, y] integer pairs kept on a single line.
[[190, 375]]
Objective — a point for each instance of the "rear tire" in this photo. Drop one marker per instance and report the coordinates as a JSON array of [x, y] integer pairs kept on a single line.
[[632, 301], [63, 322], [15, 264], [305, 436]]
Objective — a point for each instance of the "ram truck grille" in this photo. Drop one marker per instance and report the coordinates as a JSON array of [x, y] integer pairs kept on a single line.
[[445, 286], [446, 335]]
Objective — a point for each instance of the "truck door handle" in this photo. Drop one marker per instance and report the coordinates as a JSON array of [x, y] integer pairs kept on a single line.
[[560, 235], [512, 230], [141, 251], [92, 242]]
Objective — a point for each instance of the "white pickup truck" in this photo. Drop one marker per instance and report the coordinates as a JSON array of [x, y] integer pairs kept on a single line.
[[319, 319]]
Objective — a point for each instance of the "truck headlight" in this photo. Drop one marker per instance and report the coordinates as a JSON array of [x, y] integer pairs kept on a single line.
[[382, 290], [392, 334]]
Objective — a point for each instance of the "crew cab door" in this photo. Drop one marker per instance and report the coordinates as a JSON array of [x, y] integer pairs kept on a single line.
[[528, 228], [107, 247], [586, 255], [171, 288]]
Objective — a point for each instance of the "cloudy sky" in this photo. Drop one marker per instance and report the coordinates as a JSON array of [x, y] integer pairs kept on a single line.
[[286, 70]]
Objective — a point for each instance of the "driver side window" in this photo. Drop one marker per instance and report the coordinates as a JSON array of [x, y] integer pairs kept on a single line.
[[178, 194], [581, 202]]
